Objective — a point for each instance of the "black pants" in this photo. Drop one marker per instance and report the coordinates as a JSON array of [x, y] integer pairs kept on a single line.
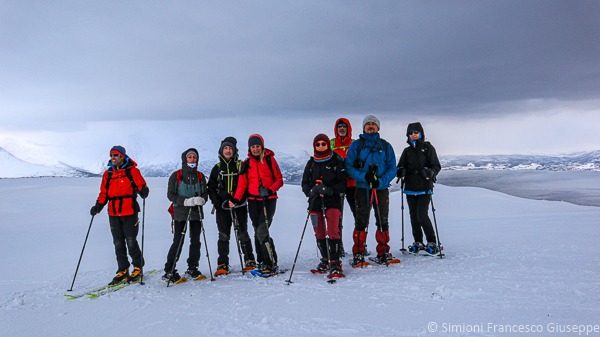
[[363, 208], [224, 222], [124, 230], [263, 241], [194, 230], [418, 206]]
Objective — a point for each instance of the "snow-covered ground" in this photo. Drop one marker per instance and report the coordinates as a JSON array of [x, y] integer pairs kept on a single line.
[[511, 264]]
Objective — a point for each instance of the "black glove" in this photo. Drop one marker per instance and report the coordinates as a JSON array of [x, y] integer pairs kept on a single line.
[[97, 208], [314, 191], [144, 192], [326, 190], [401, 173], [427, 173], [263, 192]]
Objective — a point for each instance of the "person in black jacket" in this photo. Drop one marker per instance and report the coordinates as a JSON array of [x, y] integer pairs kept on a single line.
[[417, 168], [323, 181], [221, 185]]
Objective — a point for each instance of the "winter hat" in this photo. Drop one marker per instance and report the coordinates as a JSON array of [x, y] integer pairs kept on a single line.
[[371, 119], [191, 151], [327, 151], [228, 141], [256, 139], [118, 149]]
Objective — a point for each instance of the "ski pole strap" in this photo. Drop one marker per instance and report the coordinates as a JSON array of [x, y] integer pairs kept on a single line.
[[226, 202], [415, 193]]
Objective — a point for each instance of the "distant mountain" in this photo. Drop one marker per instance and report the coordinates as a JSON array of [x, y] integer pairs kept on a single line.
[[582, 161], [13, 167], [292, 167]]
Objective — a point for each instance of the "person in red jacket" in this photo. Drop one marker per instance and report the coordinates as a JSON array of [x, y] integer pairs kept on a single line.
[[340, 144], [259, 179], [121, 183]]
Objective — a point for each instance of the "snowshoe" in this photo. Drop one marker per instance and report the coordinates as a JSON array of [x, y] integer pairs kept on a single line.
[[121, 277], [358, 261], [416, 247], [336, 270], [222, 269], [267, 271], [173, 278], [432, 248], [195, 274], [250, 265], [386, 259]]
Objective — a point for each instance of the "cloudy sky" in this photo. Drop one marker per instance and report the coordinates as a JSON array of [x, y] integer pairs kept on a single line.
[[483, 77]]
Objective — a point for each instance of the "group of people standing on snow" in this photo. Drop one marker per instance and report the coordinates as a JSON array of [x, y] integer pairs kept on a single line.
[[359, 171]]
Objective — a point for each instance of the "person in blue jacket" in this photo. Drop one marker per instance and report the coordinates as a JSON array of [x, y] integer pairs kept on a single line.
[[372, 163]]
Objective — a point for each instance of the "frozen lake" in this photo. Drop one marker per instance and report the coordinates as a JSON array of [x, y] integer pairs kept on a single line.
[[577, 187]]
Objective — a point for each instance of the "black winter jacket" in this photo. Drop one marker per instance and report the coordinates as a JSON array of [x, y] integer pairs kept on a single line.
[[332, 173], [414, 163], [223, 180]]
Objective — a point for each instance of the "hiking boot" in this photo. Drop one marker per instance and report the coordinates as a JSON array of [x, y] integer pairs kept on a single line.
[[358, 261], [323, 266], [193, 272], [249, 265], [136, 274], [172, 277], [121, 277], [416, 247], [384, 259], [432, 248], [222, 269], [267, 269]]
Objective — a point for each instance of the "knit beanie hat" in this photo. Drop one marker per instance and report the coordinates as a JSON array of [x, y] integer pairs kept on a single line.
[[325, 153], [256, 139], [231, 142], [371, 119], [118, 149]]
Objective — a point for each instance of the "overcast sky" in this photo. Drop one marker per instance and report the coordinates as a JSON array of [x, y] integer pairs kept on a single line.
[[482, 76]]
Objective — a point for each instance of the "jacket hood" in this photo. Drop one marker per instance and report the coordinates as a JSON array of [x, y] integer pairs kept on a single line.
[[229, 141], [417, 127], [347, 122], [184, 155]]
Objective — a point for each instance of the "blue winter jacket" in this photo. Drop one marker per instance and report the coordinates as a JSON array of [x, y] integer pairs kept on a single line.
[[372, 151]]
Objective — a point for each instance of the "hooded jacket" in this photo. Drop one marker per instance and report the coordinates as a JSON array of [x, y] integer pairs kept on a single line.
[[190, 186], [415, 158], [256, 173], [120, 191], [340, 146]]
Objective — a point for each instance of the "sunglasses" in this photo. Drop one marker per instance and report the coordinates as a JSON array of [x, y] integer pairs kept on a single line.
[[342, 126], [320, 144], [114, 155], [413, 132]]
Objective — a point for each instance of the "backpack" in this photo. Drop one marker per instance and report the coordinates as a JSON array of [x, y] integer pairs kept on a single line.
[[171, 209], [136, 206]]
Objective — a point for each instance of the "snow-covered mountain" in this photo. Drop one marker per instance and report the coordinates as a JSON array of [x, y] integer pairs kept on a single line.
[[13, 167], [292, 166], [581, 161]]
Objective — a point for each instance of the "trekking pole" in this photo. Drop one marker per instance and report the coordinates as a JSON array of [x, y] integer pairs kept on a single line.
[[326, 240], [180, 245], [201, 214], [143, 218], [403, 250], [81, 255], [343, 252], [235, 231], [376, 209], [268, 243], [437, 234], [298, 251]]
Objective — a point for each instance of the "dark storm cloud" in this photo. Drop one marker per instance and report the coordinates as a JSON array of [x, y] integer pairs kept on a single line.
[[162, 60]]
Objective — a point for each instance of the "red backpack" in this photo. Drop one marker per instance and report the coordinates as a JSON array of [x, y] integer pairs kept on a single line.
[[171, 208]]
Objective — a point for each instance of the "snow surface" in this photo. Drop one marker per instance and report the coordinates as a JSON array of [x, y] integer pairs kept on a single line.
[[510, 263]]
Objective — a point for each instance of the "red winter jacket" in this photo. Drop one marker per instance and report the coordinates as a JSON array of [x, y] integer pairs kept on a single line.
[[340, 146], [256, 173], [120, 193]]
